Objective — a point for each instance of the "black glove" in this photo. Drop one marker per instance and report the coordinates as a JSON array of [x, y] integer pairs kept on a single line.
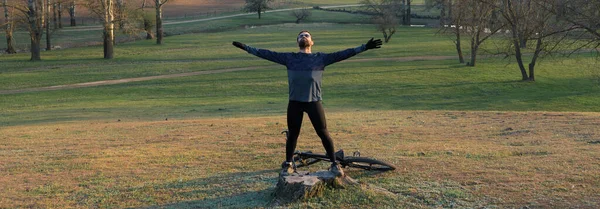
[[373, 44], [239, 45]]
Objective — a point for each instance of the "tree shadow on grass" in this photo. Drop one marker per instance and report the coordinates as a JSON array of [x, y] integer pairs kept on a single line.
[[254, 199], [235, 190]]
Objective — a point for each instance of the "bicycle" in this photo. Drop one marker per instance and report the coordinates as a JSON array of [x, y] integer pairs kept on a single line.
[[302, 159]]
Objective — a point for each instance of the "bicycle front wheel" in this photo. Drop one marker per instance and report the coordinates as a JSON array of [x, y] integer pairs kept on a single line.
[[368, 164]]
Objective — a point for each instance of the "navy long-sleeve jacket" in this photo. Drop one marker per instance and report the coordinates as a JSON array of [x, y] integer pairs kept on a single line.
[[305, 71]]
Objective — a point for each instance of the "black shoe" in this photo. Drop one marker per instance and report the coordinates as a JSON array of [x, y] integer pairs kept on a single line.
[[336, 169], [287, 168]]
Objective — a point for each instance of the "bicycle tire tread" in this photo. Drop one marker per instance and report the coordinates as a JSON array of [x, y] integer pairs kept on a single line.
[[358, 162]]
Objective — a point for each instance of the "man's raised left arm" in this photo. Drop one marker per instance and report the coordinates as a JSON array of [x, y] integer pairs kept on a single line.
[[345, 54]]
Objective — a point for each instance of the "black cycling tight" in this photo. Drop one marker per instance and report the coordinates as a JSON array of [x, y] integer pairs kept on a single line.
[[295, 114]]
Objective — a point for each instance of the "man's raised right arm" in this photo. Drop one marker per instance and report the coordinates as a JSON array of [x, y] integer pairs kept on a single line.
[[276, 57]]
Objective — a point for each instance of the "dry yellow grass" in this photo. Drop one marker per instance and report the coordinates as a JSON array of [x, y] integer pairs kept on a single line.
[[506, 159]]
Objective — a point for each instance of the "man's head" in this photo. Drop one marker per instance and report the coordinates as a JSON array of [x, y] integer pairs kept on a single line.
[[304, 39]]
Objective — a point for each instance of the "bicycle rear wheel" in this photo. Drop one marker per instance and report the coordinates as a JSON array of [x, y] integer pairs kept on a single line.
[[368, 164]]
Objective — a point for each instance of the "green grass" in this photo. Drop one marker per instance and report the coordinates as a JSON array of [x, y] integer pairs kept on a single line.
[[562, 84], [209, 51], [343, 2]]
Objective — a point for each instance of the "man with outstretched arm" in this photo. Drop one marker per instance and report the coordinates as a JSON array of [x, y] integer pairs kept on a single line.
[[305, 72]]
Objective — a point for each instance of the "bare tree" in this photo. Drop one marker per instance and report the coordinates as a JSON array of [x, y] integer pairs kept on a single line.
[[386, 14], [44, 10], [54, 13], [258, 6], [149, 23], [406, 11], [120, 14], [35, 23], [450, 22], [9, 23], [72, 7], [158, 4], [105, 10], [456, 19], [33, 15], [528, 20], [109, 29], [479, 23], [60, 11], [581, 13], [386, 24], [301, 14], [48, 34]]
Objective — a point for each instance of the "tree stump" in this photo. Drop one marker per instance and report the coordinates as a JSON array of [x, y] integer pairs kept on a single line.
[[305, 185]]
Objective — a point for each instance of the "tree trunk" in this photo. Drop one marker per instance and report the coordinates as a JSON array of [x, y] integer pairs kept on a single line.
[[443, 16], [461, 58], [523, 41], [449, 6], [385, 35], [259, 11], [474, 47], [518, 55], [35, 25], [60, 15], [10, 49], [42, 14], [149, 35], [159, 25], [120, 14], [456, 22], [516, 39], [148, 29], [304, 185], [391, 31], [48, 38], [109, 26], [54, 15], [108, 45], [35, 50], [408, 12], [72, 14], [403, 12], [538, 50]]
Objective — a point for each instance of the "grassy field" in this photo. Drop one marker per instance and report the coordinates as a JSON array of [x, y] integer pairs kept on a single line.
[[77, 36], [70, 37], [563, 84], [462, 137], [446, 159]]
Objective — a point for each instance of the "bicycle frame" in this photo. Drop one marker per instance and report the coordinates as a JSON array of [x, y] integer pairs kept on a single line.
[[309, 158]]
